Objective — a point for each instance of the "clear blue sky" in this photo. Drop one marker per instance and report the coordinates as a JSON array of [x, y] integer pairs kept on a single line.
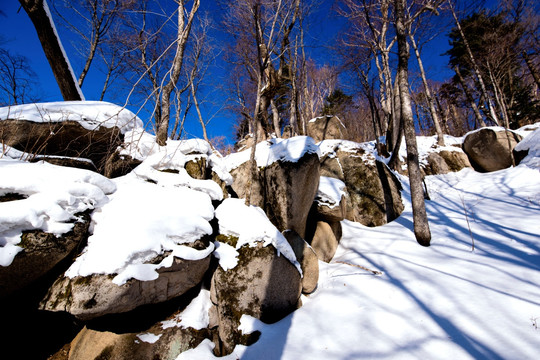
[[21, 38]]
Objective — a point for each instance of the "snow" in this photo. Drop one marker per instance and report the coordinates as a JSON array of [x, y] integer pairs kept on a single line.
[[141, 221], [270, 151], [330, 191], [90, 114], [531, 144], [55, 195], [473, 294], [250, 225], [446, 301], [149, 337], [142, 145], [195, 315]]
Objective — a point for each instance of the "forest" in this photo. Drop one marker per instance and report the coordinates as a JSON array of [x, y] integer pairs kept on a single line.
[[266, 65]]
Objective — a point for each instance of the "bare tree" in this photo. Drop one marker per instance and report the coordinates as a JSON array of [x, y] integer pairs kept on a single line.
[[421, 225], [17, 79], [91, 20], [185, 22], [38, 12], [485, 94]]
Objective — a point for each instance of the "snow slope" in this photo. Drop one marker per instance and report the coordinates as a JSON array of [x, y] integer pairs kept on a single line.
[[447, 301]]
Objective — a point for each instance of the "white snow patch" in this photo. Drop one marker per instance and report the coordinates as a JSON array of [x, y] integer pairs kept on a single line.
[[531, 143], [141, 221], [195, 315], [149, 337], [250, 225], [330, 191], [90, 114], [141, 145], [54, 195], [270, 151]]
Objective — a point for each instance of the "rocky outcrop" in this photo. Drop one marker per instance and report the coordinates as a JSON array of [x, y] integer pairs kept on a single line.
[[97, 295], [41, 252], [155, 343], [490, 149], [263, 284], [308, 260], [373, 190], [284, 190], [326, 127], [61, 139]]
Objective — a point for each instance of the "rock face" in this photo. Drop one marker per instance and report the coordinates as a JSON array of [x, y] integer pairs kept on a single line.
[[374, 192], [67, 139], [308, 260], [96, 295], [324, 240], [42, 252], [326, 127], [263, 284], [92, 344], [490, 149], [284, 190]]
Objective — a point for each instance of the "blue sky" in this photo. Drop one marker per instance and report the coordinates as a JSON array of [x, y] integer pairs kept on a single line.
[[21, 38]]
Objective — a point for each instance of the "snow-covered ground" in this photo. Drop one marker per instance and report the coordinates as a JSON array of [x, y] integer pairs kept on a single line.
[[473, 294], [447, 301]]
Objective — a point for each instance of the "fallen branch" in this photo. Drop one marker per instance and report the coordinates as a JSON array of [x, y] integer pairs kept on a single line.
[[374, 272]]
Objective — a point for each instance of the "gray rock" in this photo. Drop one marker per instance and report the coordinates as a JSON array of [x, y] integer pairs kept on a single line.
[[41, 253], [67, 138], [374, 191], [263, 284], [489, 149], [91, 344], [284, 190], [308, 260], [326, 127], [96, 295]]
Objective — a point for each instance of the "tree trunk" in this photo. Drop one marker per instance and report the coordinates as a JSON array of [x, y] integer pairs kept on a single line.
[[275, 118], [431, 102], [475, 67], [468, 94], [532, 69], [184, 29], [421, 225], [38, 12]]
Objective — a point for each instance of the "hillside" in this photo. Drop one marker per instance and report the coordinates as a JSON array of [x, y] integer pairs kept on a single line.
[[472, 294]]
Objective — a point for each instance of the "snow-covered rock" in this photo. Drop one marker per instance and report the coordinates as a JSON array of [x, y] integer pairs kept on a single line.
[[91, 115]]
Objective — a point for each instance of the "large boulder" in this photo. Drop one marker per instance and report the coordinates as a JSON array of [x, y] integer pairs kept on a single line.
[[284, 190], [308, 260], [89, 297], [156, 343], [490, 149], [41, 252], [264, 284], [326, 127], [325, 239], [70, 139], [373, 190]]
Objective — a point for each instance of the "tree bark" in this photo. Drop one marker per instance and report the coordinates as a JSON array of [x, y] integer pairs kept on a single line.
[[421, 225], [468, 94], [431, 102], [39, 14], [532, 69], [184, 28], [492, 112]]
